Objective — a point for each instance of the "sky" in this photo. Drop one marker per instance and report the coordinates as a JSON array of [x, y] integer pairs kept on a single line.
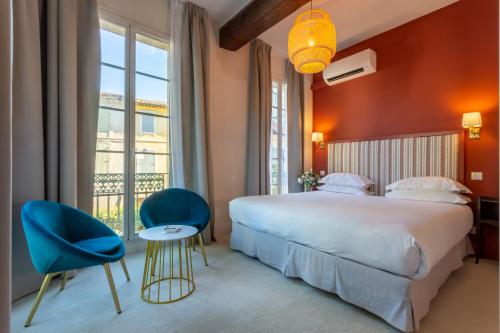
[[149, 59]]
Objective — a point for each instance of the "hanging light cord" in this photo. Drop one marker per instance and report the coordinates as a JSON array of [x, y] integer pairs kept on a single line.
[[311, 16]]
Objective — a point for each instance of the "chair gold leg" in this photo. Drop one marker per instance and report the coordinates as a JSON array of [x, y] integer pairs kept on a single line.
[[64, 280], [43, 289], [200, 240], [107, 269], [156, 248], [125, 270]]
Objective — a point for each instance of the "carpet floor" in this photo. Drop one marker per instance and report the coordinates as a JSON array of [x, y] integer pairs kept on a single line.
[[236, 293]]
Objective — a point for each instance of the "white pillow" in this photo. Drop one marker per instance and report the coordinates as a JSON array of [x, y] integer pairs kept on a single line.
[[428, 184], [347, 179], [344, 189], [435, 196]]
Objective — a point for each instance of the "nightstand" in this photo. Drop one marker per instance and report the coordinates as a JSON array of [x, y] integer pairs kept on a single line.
[[486, 213]]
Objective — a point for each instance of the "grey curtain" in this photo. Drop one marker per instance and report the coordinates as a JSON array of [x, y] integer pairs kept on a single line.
[[189, 103], [259, 120], [56, 74], [71, 92], [295, 123], [5, 161]]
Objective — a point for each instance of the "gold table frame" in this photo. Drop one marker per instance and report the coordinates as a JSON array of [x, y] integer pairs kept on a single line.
[[180, 281]]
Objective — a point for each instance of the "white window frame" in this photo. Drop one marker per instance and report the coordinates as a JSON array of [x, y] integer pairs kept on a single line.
[[131, 29]]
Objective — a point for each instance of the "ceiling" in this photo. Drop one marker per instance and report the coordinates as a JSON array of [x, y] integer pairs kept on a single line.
[[221, 10], [355, 20]]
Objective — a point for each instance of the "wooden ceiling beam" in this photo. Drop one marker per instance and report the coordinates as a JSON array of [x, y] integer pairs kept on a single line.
[[255, 18]]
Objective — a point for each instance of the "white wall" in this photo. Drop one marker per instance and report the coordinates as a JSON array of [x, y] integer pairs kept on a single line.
[[228, 112], [278, 65], [228, 105], [151, 13]]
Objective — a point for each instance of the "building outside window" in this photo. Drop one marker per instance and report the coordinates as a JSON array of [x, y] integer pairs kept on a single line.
[[133, 144], [147, 124]]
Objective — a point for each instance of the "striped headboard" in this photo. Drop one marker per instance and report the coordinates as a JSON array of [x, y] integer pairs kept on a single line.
[[389, 159]]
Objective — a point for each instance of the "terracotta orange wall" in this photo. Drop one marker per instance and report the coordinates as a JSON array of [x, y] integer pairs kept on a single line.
[[430, 71]]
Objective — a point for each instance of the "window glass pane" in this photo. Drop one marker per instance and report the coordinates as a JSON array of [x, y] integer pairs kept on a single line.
[[274, 96], [274, 162], [274, 120], [151, 176], [107, 162], [274, 133], [284, 151], [274, 176], [149, 162], [283, 96], [151, 56], [147, 125], [109, 190], [110, 130], [103, 122], [152, 159], [108, 208], [279, 139], [109, 176], [284, 140], [112, 87], [112, 44], [154, 141], [159, 108], [150, 90], [274, 145]]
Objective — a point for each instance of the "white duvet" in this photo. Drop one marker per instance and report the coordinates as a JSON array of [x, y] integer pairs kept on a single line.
[[401, 236]]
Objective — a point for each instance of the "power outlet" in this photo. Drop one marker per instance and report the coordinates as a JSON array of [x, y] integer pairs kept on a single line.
[[476, 176], [322, 173]]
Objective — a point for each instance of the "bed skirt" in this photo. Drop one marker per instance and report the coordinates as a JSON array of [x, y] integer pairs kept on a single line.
[[399, 300]]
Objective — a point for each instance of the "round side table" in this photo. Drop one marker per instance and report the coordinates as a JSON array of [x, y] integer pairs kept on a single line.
[[162, 281]]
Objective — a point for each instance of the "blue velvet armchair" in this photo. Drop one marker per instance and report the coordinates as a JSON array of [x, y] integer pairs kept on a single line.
[[176, 206], [61, 238]]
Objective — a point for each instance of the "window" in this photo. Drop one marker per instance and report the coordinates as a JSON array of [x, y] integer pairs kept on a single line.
[[147, 124], [132, 152], [278, 161]]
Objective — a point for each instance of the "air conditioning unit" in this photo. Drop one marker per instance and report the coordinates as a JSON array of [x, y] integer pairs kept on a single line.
[[356, 65]]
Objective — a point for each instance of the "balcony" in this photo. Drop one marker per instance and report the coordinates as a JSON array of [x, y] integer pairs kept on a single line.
[[109, 193]]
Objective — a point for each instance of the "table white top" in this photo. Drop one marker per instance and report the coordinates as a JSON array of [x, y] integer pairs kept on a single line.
[[159, 233]]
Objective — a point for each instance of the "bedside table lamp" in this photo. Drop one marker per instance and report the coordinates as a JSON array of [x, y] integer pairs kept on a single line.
[[318, 138], [472, 121]]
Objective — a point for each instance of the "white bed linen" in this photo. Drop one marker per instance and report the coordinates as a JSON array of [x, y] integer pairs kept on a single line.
[[401, 236]]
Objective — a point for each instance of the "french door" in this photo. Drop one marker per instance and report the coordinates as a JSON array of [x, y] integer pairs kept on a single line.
[[279, 142], [133, 137]]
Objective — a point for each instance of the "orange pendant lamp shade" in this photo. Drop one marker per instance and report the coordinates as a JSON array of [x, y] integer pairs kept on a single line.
[[312, 42]]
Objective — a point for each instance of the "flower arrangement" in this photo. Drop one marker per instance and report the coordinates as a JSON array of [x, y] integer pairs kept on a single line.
[[309, 179]]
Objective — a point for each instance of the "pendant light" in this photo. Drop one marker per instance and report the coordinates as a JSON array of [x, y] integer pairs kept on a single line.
[[312, 41]]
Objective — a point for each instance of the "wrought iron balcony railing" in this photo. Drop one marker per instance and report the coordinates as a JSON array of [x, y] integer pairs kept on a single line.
[[113, 183], [109, 190]]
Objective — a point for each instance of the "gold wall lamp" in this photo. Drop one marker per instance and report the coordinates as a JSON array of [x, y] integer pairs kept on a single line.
[[472, 121], [318, 138]]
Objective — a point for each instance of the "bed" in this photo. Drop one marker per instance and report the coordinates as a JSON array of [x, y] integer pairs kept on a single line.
[[387, 256]]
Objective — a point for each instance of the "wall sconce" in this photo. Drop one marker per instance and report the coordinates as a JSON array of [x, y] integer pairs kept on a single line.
[[318, 138], [472, 121]]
